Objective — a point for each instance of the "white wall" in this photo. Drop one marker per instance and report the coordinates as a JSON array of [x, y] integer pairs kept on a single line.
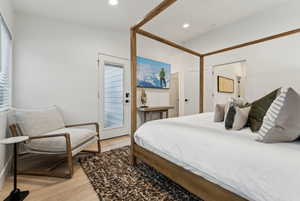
[[7, 13], [56, 64], [270, 64]]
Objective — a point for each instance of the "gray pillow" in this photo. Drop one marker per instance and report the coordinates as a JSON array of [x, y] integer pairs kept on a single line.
[[219, 113], [240, 118], [282, 120], [229, 119]]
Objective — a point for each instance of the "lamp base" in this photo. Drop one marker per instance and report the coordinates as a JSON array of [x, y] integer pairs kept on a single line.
[[17, 195]]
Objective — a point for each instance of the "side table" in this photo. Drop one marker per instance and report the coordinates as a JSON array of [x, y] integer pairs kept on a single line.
[[16, 194]]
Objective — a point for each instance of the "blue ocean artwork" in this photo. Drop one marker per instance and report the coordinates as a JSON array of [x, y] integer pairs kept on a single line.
[[153, 74]]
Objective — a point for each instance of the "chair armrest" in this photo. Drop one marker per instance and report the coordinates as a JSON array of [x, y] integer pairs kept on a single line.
[[85, 124], [66, 135]]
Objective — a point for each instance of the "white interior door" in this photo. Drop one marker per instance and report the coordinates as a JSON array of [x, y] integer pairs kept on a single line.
[[114, 96], [191, 92]]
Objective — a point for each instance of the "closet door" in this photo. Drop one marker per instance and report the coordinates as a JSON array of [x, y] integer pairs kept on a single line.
[[191, 92]]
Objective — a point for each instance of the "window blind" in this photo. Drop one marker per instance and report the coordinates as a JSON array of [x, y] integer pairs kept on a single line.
[[113, 96], [5, 65]]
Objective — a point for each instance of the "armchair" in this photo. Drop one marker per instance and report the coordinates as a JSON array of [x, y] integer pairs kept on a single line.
[[48, 135]]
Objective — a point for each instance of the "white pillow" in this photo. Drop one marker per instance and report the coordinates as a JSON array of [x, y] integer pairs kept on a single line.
[[34, 122], [240, 118], [219, 113], [237, 102], [282, 120]]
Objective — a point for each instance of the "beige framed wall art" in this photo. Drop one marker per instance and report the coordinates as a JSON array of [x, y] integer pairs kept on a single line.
[[225, 85]]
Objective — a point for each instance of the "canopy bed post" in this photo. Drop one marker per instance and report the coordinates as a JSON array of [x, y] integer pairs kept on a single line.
[[201, 94], [133, 53]]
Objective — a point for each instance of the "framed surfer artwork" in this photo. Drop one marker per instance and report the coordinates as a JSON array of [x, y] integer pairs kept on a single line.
[[153, 74]]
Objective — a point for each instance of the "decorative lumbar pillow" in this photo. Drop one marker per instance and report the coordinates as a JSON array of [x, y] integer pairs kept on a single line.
[[219, 113], [259, 109], [235, 102], [38, 121], [240, 118], [229, 119], [282, 121]]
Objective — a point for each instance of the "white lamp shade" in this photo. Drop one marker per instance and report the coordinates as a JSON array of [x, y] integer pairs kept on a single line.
[[240, 71]]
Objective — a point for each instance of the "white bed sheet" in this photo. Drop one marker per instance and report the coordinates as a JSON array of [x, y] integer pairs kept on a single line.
[[231, 159]]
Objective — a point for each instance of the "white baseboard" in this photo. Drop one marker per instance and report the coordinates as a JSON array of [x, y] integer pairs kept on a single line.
[[4, 172]]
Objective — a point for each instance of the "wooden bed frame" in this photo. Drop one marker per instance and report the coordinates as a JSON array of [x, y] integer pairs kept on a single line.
[[197, 185]]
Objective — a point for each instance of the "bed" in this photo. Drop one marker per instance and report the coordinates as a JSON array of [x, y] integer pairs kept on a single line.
[[218, 164], [201, 156]]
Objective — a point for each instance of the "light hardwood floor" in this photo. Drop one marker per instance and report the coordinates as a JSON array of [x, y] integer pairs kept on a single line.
[[54, 189]]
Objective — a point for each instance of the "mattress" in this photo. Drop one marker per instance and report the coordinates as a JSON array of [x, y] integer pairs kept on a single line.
[[231, 159]]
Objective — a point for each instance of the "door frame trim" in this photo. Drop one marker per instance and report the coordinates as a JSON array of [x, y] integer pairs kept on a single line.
[[102, 59]]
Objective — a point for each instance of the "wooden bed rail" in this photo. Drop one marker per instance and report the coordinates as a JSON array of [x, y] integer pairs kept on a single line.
[[167, 42], [154, 12], [284, 34], [195, 184]]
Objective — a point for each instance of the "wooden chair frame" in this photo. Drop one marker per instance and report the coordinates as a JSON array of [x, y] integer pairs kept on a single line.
[[14, 129], [194, 183]]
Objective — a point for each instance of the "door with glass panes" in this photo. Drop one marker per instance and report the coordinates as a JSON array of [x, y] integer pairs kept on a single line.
[[114, 96]]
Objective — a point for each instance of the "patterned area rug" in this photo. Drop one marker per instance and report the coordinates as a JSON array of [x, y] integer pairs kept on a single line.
[[114, 179]]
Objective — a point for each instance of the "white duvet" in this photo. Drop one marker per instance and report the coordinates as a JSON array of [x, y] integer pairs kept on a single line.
[[231, 159]]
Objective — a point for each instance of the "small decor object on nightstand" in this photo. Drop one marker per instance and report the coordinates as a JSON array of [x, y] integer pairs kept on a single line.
[[16, 194], [143, 98]]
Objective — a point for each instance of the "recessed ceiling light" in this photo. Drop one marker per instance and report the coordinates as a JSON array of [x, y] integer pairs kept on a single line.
[[186, 25], [113, 2]]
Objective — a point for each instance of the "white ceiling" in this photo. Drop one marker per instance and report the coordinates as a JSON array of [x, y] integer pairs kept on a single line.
[[203, 15], [89, 12]]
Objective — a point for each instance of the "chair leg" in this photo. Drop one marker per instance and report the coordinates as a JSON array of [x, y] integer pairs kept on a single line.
[[99, 146], [70, 165]]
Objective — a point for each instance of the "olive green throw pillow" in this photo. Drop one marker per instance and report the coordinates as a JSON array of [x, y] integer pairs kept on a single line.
[[259, 109]]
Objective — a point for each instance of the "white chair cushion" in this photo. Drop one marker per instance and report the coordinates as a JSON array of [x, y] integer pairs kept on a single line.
[[38, 121], [78, 137]]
